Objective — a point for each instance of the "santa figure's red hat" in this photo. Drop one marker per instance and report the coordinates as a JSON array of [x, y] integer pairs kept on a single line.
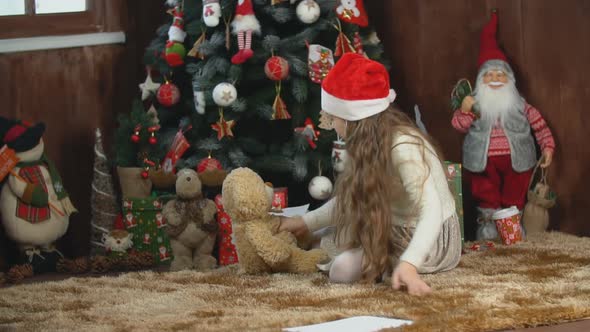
[[490, 55], [356, 88]]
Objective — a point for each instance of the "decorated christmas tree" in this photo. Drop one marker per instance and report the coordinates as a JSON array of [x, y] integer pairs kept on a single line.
[[237, 83]]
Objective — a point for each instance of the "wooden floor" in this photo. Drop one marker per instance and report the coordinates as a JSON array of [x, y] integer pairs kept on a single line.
[[578, 326]]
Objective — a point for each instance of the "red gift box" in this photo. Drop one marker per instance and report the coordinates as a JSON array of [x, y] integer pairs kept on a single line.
[[227, 250], [280, 199]]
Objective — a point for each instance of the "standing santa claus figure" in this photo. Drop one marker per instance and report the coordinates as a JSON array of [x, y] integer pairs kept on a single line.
[[499, 151], [244, 24]]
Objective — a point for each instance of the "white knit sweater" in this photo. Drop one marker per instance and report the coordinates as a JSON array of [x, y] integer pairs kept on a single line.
[[436, 203]]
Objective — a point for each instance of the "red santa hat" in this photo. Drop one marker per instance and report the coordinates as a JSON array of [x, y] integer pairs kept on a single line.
[[356, 88], [244, 7], [489, 49]]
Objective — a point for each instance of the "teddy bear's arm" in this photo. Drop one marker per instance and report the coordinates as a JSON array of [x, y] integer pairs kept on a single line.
[[209, 211], [172, 216], [272, 250]]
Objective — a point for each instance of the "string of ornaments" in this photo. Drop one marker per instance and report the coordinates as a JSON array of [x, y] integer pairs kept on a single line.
[[276, 69], [320, 62], [224, 94]]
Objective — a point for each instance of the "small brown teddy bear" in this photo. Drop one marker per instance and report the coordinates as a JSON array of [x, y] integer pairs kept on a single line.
[[191, 224], [261, 247]]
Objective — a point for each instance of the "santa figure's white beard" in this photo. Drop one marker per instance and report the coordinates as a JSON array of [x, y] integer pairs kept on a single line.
[[122, 246], [495, 103]]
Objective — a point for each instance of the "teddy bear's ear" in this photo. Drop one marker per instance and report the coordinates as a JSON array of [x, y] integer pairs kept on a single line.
[[244, 195]]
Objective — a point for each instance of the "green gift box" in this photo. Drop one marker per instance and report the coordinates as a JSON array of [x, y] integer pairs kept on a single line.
[[456, 185], [143, 218]]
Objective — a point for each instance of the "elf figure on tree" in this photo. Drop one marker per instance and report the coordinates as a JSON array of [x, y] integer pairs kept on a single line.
[[244, 24], [499, 151]]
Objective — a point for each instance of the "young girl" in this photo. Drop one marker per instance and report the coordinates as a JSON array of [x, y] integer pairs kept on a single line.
[[392, 208]]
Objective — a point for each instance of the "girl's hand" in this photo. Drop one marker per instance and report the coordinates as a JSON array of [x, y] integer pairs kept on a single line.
[[407, 275], [295, 225]]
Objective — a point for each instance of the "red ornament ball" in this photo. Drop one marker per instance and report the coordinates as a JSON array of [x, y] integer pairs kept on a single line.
[[153, 140], [209, 164], [168, 94], [135, 138], [276, 68], [145, 174]]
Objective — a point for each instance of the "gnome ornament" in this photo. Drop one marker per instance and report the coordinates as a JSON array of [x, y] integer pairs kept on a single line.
[[499, 151], [244, 25], [117, 242], [309, 132], [175, 51]]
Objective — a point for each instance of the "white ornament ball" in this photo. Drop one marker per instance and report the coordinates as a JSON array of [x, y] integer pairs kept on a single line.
[[320, 188], [308, 11], [224, 94]]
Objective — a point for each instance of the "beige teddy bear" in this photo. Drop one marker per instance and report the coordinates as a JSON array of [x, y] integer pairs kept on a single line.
[[261, 247], [191, 224]]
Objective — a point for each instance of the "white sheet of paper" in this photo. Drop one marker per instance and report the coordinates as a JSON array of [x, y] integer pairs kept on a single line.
[[353, 324], [293, 211]]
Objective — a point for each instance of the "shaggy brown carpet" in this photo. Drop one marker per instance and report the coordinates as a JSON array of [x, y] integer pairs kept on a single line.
[[542, 281]]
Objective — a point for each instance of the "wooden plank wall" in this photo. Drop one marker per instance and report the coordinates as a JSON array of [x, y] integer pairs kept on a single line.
[[434, 43], [75, 91]]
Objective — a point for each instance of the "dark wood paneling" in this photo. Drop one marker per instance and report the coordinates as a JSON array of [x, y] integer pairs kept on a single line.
[[557, 56], [434, 43]]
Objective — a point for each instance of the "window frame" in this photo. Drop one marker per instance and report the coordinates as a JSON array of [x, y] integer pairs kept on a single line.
[[34, 25]]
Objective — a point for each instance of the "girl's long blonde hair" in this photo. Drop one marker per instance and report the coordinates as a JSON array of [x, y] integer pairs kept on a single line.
[[370, 184]]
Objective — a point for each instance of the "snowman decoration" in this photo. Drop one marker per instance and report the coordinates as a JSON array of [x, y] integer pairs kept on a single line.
[[34, 205]]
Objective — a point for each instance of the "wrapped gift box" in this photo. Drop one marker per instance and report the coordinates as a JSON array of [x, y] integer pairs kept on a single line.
[[143, 218], [454, 179], [280, 199], [227, 249]]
